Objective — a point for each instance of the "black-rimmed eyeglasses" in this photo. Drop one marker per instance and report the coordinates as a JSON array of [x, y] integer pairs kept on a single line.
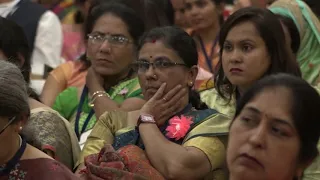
[[7, 125]]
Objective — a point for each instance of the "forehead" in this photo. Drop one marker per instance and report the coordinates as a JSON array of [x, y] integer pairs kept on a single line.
[[244, 30], [275, 102], [157, 49], [110, 24], [177, 4]]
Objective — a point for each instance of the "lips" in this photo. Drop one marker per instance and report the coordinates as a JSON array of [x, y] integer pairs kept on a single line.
[[249, 160], [236, 70]]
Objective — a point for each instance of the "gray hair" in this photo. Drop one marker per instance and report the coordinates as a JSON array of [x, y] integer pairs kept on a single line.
[[13, 91]]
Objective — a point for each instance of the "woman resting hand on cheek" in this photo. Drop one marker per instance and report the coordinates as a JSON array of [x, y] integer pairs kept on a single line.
[[180, 136]]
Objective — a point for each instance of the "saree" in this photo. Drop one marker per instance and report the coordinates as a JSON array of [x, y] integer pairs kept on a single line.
[[68, 101], [207, 133], [308, 25], [129, 162], [70, 74], [215, 101], [48, 131], [40, 168]]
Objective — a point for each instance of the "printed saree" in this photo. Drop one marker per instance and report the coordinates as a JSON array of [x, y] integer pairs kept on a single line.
[[48, 131], [129, 162], [67, 102], [308, 25], [40, 168], [208, 133]]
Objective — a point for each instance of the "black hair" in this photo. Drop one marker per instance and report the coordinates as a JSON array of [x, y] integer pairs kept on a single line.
[[293, 31], [184, 45], [304, 110], [134, 24], [14, 45], [271, 31]]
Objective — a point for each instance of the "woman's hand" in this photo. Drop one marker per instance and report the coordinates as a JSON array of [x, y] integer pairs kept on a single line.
[[163, 106], [94, 80]]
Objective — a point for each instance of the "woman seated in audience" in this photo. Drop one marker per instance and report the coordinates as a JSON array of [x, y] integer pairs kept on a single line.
[[308, 25], [46, 129], [19, 160], [113, 31], [73, 74], [206, 18], [180, 136], [275, 131], [260, 51], [45, 125]]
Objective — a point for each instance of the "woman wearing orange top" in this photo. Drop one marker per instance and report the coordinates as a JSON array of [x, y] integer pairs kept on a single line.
[[205, 32]]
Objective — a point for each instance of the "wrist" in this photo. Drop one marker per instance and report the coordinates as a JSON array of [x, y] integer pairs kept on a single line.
[[146, 119]]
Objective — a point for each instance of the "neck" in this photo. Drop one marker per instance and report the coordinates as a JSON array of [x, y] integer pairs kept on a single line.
[[110, 81], [209, 34], [12, 149]]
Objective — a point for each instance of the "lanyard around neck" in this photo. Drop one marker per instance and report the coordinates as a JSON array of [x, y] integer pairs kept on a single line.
[[204, 51]]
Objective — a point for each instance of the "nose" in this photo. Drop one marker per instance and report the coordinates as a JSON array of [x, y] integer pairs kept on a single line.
[[235, 56], [105, 46], [258, 136], [150, 72]]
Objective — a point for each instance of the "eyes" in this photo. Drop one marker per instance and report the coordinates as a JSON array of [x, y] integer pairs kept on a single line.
[[275, 129], [244, 47], [116, 40], [199, 4]]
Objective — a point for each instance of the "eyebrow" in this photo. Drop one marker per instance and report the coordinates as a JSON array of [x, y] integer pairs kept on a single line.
[[241, 41], [277, 120]]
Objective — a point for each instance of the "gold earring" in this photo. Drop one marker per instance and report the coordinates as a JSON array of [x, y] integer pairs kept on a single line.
[[190, 83], [20, 128]]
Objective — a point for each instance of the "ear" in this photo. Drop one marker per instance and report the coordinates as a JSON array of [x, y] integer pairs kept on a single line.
[[302, 166], [192, 75], [22, 60], [21, 122]]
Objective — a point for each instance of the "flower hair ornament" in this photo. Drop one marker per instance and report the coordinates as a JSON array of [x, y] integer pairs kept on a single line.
[[178, 127]]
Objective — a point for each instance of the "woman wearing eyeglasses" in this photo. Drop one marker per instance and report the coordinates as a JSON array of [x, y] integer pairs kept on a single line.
[[73, 73], [112, 34], [19, 160], [174, 135]]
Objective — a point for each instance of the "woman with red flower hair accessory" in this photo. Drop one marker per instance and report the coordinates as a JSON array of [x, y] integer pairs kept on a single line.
[[179, 135]]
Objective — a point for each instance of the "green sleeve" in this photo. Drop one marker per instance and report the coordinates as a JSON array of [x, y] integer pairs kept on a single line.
[[67, 102]]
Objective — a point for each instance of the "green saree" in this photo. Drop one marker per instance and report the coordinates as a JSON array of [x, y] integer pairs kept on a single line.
[[308, 25], [68, 101]]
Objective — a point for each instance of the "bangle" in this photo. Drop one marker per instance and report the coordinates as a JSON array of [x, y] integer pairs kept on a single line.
[[96, 93], [91, 103]]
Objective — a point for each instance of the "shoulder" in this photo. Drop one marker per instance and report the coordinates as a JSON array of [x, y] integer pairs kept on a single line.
[[215, 101], [69, 93], [66, 101]]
